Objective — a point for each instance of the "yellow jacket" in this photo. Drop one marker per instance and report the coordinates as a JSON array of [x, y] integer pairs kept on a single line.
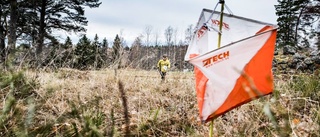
[[164, 65]]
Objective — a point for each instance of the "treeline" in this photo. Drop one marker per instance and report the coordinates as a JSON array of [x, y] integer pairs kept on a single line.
[[27, 38], [95, 54], [33, 23]]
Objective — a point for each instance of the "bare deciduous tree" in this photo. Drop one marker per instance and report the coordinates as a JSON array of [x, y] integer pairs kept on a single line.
[[175, 39], [135, 53], [147, 32], [188, 34], [156, 38], [157, 43], [175, 36], [168, 33]]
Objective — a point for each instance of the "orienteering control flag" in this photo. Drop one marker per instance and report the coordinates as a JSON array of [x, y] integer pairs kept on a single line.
[[236, 73]]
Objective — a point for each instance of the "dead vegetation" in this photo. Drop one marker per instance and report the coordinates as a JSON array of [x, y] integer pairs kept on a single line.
[[129, 102]]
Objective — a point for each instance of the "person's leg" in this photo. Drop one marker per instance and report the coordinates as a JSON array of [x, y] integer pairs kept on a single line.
[[163, 75]]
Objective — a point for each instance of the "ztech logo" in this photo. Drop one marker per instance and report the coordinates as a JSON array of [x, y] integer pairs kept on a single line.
[[216, 59]]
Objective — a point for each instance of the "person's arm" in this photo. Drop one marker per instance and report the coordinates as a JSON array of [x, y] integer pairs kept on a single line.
[[158, 65], [169, 65]]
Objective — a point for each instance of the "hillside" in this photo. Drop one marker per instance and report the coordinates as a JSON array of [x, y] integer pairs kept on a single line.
[[69, 102]]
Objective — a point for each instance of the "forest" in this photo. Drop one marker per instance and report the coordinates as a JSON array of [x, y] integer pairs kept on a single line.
[[97, 87]]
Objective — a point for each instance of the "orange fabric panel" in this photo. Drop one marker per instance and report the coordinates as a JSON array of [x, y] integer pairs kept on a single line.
[[259, 70], [201, 81]]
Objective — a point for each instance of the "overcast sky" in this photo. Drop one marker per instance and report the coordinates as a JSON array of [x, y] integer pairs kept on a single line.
[[129, 18]]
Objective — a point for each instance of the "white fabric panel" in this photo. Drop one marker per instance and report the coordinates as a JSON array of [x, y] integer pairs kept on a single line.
[[223, 75], [235, 29]]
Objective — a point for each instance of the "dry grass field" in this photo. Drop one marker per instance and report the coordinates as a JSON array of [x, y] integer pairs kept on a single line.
[[129, 102]]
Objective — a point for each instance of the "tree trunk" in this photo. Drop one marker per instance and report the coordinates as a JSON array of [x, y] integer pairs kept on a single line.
[[2, 37], [42, 27], [2, 44], [297, 25], [13, 26]]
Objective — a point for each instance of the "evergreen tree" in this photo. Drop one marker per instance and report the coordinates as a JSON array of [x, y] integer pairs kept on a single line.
[[296, 20], [65, 15], [96, 46], [96, 42], [104, 52], [286, 22], [35, 20], [65, 53], [85, 53], [104, 43], [68, 43], [116, 48]]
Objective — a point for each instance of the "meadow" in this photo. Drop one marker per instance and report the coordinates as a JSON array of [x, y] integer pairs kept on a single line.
[[130, 102]]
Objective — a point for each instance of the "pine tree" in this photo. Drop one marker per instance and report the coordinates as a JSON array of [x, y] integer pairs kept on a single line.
[[296, 20], [104, 43], [68, 43], [104, 52], [286, 22], [116, 48], [85, 53], [96, 42], [67, 15], [96, 46]]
